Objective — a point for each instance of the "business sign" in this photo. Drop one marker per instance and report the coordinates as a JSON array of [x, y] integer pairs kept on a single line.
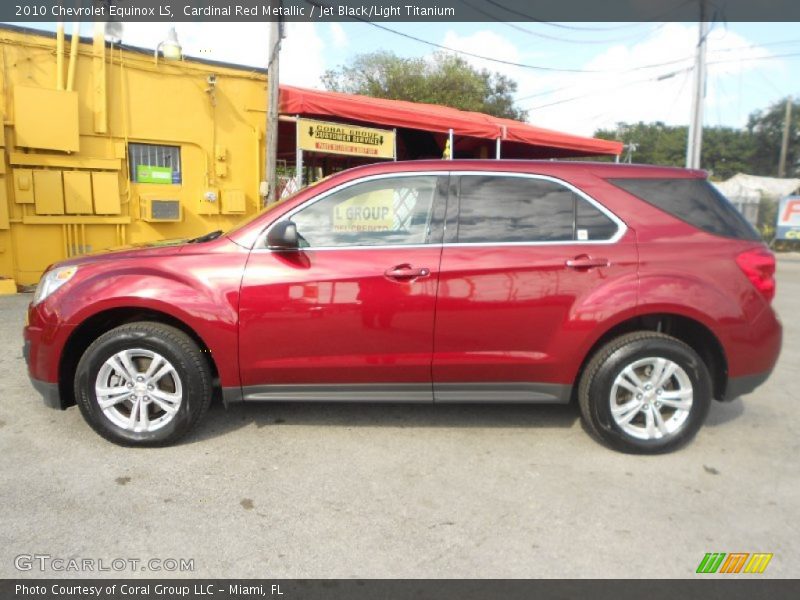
[[148, 174], [788, 227], [373, 211], [340, 138]]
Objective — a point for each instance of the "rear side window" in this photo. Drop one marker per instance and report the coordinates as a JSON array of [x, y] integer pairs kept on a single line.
[[498, 209], [695, 201], [590, 223]]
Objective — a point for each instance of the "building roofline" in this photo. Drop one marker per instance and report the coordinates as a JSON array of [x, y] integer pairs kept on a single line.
[[134, 49]]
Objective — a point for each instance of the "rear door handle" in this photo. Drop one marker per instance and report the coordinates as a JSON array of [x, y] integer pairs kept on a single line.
[[587, 262], [406, 272]]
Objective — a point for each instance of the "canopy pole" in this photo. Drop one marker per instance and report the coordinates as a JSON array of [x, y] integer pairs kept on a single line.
[[450, 157], [298, 156], [497, 150], [395, 144]]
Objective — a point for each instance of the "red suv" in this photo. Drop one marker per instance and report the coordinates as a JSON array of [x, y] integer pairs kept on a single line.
[[637, 291]]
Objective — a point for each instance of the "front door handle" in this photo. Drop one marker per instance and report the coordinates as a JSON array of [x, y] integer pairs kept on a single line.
[[406, 272], [587, 262]]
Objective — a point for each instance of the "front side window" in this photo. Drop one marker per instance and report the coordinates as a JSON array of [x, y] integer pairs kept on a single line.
[[386, 211], [499, 209]]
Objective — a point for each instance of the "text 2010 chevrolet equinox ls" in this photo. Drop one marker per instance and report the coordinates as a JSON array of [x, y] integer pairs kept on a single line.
[[639, 291]]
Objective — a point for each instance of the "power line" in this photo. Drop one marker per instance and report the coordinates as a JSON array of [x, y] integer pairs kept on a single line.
[[652, 79], [752, 58], [320, 4], [529, 17], [755, 46], [510, 63], [557, 38], [605, 90]]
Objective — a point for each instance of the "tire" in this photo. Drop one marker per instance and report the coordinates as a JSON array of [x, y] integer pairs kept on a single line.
[[153, 381], [641, 373]]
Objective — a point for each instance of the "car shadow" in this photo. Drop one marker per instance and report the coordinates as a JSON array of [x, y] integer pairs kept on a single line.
[[221, 420], [721, 413]]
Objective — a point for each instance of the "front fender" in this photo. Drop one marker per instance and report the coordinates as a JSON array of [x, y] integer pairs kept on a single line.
[[203, 296]]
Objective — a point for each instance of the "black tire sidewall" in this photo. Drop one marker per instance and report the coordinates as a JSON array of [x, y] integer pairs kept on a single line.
[[127, 338], [602, 383]]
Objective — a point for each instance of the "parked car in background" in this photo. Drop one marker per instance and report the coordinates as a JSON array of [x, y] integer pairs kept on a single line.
[[638, 292]]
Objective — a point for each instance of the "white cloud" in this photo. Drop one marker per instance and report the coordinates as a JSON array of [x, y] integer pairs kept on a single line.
[[302, 56], [339, 36], [302, 50], [484, 42], [622, 90]]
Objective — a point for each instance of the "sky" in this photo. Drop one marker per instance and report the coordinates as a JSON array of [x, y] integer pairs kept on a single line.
[[577, 77]]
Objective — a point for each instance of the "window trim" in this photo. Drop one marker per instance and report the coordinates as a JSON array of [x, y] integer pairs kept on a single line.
[[622, 227]]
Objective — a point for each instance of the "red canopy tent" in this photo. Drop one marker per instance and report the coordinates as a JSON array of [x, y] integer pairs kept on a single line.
[[525, 139]]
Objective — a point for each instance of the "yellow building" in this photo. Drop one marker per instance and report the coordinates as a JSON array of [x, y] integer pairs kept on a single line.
[[103, 146]]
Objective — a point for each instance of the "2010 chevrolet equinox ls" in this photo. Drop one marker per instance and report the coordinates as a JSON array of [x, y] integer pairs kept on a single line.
[[638, 291]]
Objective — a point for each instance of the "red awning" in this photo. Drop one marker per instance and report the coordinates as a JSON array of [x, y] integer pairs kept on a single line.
[[432, 117]]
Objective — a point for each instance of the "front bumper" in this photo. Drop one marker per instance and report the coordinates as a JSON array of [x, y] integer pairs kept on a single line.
[[740, 386], [49, 391]]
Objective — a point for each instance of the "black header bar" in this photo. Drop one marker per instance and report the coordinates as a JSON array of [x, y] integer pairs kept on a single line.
[[398, 10]]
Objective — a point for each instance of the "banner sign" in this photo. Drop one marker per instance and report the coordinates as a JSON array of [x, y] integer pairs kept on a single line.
[[368, 212], [341, 138], [788, 226], [148, 174]]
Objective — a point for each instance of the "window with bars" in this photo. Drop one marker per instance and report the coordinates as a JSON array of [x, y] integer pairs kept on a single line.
[[152, 163]]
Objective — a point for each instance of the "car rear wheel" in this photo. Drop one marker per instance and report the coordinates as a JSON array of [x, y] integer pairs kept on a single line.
[[645, 392], [143, 384]]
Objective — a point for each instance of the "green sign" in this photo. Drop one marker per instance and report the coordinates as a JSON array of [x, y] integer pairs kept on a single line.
[[148, 174]]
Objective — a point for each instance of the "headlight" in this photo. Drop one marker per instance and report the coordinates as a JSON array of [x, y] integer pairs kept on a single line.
[[51, 281]]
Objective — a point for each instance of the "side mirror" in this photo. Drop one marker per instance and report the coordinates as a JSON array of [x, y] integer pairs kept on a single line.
[[283, 236]]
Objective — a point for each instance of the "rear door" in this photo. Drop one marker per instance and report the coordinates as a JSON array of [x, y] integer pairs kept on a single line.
[[528, 268], [350, 315]]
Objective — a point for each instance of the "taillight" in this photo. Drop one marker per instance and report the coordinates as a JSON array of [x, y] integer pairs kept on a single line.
[[759, 266]]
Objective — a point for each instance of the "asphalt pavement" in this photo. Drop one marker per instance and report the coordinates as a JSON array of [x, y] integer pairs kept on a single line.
[[333, 491]]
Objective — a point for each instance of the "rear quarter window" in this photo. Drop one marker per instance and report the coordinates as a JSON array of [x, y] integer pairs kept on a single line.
[[694, 201]]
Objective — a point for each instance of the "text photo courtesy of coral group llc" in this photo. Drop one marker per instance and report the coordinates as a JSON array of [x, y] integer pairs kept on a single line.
[[334, 299]]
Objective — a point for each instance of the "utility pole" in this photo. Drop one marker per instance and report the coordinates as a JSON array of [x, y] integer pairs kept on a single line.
[[694, 143], [787, 125], [273, 105]]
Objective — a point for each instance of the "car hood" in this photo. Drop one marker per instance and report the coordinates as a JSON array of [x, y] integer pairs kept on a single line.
[[141, 250]]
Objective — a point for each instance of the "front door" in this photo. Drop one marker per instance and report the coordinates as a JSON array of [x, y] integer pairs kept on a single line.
[[350, 315]]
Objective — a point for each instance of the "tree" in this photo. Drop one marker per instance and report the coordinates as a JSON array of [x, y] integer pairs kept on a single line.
[[649, 143], [445, 79], [726, 150], [766, 127]]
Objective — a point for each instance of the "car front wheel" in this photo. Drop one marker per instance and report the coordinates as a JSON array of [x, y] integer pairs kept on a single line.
[[143, 384], [645, 392]]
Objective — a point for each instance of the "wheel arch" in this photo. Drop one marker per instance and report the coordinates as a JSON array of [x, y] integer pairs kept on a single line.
[[106, 320], [687, 329]]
